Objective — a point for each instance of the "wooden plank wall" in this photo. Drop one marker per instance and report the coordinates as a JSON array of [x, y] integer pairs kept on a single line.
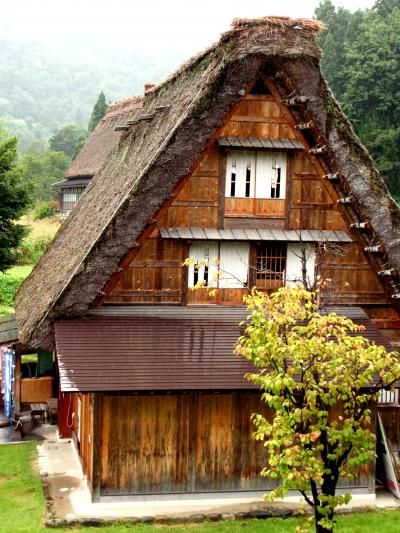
[[195, 442], [154, 273], [179, 443], [86, 434]]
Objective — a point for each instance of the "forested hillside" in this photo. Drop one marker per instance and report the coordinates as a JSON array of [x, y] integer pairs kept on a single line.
[[44, 88], [362, 65]]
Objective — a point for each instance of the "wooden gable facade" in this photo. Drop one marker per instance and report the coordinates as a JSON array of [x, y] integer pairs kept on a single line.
[[153, 271]]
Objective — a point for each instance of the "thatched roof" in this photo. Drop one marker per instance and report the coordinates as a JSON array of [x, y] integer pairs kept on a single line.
[[103, 138], [179, 118]]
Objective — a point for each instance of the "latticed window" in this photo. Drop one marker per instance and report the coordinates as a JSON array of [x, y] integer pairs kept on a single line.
[[270, 265]]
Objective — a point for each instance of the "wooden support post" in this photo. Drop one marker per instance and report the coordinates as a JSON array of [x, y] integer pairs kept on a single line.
[[361, 225], [388, 272], [297, 100], [331, 177], [304, 125], [376, 249], [318, 149], [345, 200]]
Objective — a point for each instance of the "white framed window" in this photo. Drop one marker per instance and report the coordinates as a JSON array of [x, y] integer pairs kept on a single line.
[[219, 264], [256, 174]]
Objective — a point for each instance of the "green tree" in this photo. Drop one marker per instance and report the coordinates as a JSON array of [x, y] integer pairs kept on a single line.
[[341, 26], [66, 139], [42, 169], [15, 198], [319, 381], [361, 58], [99, 110]]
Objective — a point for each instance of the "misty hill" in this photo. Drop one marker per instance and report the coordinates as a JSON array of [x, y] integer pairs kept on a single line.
[[43, 88]]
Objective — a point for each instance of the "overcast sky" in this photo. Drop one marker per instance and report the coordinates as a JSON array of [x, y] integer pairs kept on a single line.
[[170, 27]]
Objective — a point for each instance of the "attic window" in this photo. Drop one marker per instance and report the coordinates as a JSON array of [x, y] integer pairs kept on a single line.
[[259, 87], [256, 174]]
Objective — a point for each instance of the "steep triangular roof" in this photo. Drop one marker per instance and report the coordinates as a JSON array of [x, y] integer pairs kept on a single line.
[[177, 122]]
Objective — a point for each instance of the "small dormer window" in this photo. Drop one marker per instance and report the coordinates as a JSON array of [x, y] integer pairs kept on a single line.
[[256, 174]]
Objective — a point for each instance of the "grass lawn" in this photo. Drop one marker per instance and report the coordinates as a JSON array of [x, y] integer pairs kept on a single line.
[[22, 508], [9, 283]]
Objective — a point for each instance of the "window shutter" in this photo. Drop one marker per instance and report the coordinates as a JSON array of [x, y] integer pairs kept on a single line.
[[234, 261]]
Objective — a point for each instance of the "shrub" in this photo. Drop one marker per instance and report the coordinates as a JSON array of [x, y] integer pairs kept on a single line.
[[31, 249], [43, 210], [8, 287]]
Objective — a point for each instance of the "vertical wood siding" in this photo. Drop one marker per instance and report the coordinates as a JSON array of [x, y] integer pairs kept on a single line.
[[197, 442], [180, 443]]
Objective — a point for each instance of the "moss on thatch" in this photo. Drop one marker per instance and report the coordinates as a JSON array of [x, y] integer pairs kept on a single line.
[[141, 172]]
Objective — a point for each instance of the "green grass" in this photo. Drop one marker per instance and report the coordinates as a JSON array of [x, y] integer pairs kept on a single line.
[[22, 508], [9, 283]]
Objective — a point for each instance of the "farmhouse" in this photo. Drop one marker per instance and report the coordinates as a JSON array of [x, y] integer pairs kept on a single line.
[[242, 155]]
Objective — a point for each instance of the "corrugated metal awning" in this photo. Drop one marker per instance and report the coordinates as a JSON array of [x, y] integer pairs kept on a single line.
[[242, 234], [161, 348], [261, 144]]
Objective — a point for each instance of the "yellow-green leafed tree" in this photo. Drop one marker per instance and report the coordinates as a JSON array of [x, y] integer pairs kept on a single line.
[[320, 377]]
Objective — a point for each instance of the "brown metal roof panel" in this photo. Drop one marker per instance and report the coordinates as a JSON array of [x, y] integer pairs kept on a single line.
[[105, 351], [124, 353]]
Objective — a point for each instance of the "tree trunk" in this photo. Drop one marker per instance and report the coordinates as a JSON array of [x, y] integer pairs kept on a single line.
[[328, 488]]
